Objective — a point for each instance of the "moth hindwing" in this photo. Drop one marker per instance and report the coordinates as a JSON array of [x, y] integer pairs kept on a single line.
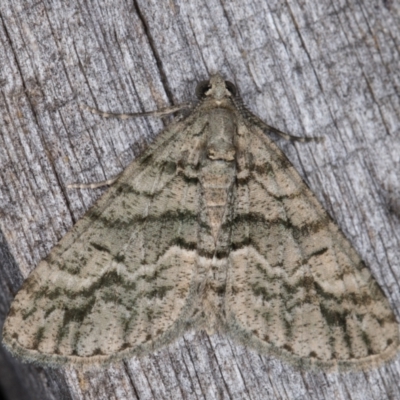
[[211, 228]]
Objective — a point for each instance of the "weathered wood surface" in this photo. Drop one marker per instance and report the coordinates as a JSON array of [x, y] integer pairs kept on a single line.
[[309, 68]]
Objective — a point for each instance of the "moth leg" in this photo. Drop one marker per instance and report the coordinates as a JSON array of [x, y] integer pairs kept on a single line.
[[93, 185], [159, 113]]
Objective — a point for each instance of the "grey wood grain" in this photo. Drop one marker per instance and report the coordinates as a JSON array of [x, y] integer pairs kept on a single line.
[[309, 68]]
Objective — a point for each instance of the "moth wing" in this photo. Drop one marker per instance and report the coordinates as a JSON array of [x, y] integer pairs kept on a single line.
[[117, 283], [297, 288]]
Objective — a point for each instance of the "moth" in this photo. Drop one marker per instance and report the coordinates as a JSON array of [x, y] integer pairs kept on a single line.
[[211, 228]]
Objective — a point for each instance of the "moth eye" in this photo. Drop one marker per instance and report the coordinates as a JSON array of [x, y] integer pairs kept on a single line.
[[231, 88], [202, 88]]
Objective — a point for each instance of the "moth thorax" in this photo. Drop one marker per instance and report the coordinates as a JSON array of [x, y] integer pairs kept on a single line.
[[221, 131]]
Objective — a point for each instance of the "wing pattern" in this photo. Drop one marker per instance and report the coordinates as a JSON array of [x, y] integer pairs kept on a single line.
[[295, 280], [117, 283], [211, 228]]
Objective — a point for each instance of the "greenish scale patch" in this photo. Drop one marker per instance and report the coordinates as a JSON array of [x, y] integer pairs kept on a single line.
[[261, 291], [112, 296], [367, 342], [150, 278], [169, 167], [74, 263], [45, 289], [183, 244], [53, 294], [125, 346], [38, 337], [49, 311], [260, 268], [119, 295], [100, 247], [220, 254], [78, 314], [126, 322], [26, 315], [126, 188], [375, 292], [159, 292], [126, 224], [316, 254], [288, 348], [150, 314], [62, 332], [220, 290], [347, 339], [112, 280], [160, 236], [110, 283], [309, 229], [146, 159], [73, 266], [259, 229], [255, 217], [234, 290], [119, 258], [333, 317], [203, 226], [325, 295], [288, 327], [245, 242], [97, 352], [94, 214], [389, 318], [292, 289], [306, 282], [243, 180], [262, 169], [190, 180], [181, 215], [266, 316], [359, 299]]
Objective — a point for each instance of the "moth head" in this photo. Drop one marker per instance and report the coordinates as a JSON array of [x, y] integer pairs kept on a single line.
[[216, 88]]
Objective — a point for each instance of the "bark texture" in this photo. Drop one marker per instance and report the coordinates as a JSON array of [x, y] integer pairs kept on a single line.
[[308, 68]]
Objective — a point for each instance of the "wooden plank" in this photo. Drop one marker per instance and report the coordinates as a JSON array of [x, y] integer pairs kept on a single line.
[[308, 68]]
